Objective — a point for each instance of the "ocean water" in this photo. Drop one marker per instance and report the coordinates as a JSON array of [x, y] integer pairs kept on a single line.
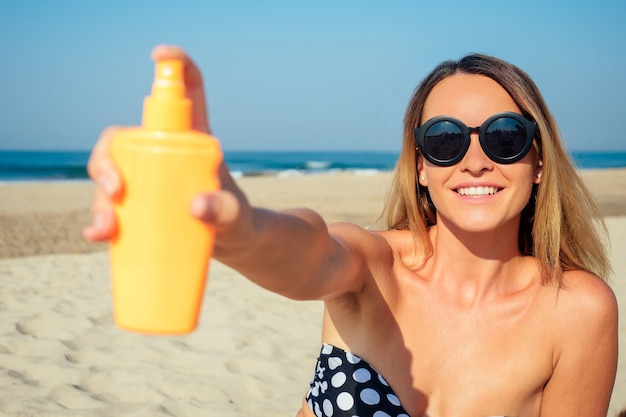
[[71, 165]]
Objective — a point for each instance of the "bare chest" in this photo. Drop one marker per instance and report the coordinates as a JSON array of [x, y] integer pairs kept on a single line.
[[491, 359]]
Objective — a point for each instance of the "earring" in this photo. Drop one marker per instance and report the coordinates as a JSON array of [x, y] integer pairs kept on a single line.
[[539, 175], [423, 179]]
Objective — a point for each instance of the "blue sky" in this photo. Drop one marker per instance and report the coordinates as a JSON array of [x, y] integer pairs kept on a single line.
[[296, 75]]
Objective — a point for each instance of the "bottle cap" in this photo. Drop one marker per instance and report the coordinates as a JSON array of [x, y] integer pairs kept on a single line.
[[167, 107]]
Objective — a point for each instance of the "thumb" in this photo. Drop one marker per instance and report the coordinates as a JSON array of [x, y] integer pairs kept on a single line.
[[220, 209]]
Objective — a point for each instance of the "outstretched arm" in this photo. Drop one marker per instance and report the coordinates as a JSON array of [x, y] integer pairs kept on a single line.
[[290, 252]]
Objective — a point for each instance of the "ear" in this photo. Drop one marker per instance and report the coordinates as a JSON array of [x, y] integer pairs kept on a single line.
[[538, 172], [421, 174]]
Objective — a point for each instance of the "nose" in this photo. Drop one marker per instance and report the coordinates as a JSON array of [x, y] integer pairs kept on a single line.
[[475, 160]]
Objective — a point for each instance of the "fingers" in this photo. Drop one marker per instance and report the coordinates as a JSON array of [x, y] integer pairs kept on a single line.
[[103, 225], [193, 77], [101, 167], [193, 84], [102, 170]]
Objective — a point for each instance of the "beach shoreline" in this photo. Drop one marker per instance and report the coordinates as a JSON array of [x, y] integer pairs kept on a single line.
[[38, 218], [253, 353]]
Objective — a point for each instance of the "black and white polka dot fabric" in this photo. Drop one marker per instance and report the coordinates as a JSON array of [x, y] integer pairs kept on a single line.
[[345, 385]]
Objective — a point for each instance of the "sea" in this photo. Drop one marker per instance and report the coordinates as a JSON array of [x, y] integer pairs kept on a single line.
[[71, 165]]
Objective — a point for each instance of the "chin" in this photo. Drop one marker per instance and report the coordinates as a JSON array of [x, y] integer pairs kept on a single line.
[[484, 224]]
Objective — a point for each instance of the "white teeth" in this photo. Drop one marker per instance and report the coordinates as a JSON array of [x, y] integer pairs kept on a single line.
[[477, 191]]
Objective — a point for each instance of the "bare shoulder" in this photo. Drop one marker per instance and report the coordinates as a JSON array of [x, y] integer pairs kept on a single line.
[[373, 252], [584, 291], [585, 351], [391, 240], [367, 248], [357, 236], [585, 304]]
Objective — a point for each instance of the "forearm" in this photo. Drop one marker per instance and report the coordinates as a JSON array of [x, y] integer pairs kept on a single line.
[[286, 252]]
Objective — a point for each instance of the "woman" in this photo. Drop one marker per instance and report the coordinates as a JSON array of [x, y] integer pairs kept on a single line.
[[482, 298]]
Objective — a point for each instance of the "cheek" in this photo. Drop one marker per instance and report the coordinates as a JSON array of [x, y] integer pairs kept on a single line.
[[434, 175], [524, 180], [524, 170]]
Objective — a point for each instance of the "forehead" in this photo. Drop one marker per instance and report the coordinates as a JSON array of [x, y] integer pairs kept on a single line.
[[471, 98]]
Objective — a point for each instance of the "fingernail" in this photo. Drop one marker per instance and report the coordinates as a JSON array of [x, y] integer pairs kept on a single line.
[[92, 231], [203, 208], [107, 184], [197, 206], [98, 221]]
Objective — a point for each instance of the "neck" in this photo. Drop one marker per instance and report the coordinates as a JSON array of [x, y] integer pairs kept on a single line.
[[473, 265]]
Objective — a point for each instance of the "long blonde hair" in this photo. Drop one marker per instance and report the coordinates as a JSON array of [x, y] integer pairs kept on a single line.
[[560, 226]]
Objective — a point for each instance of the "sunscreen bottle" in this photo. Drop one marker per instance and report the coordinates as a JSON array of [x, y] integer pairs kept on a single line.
[[160, 255]]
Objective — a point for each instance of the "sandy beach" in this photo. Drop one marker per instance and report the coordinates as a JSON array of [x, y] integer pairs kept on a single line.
[[253, 353]]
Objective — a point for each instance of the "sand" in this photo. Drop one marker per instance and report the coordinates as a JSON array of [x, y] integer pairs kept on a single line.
[[253, 353]]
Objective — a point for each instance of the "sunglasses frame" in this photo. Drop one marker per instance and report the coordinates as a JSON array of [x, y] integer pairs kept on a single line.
[[420, 132]]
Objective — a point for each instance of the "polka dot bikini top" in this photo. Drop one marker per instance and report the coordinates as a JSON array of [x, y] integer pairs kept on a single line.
[[345, 385]]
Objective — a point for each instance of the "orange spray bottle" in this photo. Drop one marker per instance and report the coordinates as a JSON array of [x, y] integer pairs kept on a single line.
[[160, 255]]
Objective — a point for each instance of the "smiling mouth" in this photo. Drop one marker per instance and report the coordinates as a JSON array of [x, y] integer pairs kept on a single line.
[[477, 191]]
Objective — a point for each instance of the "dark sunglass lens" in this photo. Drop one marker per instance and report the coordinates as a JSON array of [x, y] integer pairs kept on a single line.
[[444, 141], [505, 137]]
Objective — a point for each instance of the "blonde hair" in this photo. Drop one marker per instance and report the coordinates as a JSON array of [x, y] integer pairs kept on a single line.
[[560, 226]]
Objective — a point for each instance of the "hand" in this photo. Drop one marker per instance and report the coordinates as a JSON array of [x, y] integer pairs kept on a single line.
[[193, 84], [222, 209], [108, 186]]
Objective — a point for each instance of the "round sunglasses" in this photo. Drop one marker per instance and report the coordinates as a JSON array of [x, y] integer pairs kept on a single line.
[[505, 138]]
